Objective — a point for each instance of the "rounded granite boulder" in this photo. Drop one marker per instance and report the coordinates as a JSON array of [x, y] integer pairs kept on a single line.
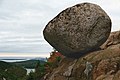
[[78, 30]]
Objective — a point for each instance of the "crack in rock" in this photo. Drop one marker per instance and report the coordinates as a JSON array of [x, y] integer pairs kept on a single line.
[[69, 71]]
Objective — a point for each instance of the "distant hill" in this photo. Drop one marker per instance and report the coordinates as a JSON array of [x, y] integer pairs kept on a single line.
[[28, 63], [39, 58]]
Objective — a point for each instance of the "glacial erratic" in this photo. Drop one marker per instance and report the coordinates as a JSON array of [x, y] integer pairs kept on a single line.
[[78, 29]]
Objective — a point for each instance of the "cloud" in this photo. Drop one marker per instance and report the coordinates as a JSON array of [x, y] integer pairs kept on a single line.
[[23, 43]]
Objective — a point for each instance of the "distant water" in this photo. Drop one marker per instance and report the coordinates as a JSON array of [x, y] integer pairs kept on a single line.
[[15, 60], [29, 70], [18, 59]]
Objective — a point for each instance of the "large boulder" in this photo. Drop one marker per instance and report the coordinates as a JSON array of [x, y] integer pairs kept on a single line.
[[78, 29]]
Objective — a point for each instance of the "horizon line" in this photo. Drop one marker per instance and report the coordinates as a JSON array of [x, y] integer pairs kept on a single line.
[[23, 55]]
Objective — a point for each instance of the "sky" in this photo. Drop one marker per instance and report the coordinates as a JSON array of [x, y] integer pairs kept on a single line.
[[22, 23]]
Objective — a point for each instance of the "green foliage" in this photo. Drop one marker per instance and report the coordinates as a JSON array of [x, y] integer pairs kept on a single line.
[[31, 76], [15, 71], [55, 63], [58, 59], [39, 70], [49, 64], [4, 65], [11, 72]]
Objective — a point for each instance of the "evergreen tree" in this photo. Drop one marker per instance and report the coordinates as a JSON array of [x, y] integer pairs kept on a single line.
[[39, 70], [31, 76]]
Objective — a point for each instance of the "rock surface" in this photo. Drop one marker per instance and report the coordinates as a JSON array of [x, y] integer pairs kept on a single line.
[[78, 29], [105, 64], [113, 39]]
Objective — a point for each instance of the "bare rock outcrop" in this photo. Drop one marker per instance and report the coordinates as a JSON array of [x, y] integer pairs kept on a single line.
[[105, 64], [78, 29], [113, 39]]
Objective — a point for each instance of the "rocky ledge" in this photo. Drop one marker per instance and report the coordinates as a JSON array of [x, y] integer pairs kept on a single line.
[[98, 65]]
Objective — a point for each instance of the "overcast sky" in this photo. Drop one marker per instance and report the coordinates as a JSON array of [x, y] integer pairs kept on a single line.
[[22, 22]]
